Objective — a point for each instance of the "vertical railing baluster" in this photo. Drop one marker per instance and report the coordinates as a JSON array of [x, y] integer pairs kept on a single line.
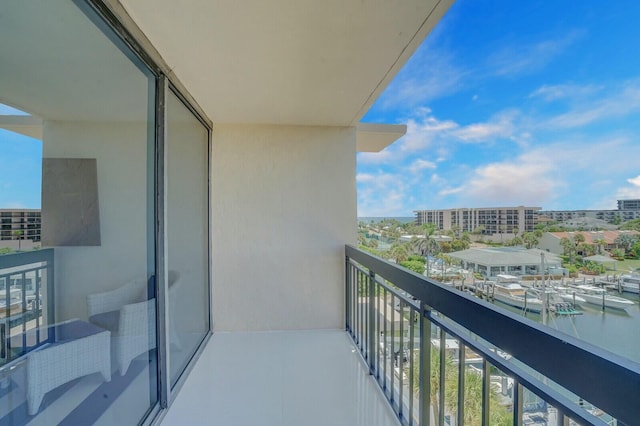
[[364, 297], [23, 316], [411, 351], [363, 314], [360, 276], [393, 347], [379, 333], [441, 384], [518, 402], [486, 388], [354, 306], [401, 361], [7, 316], [461, 372], [386, 342], [347, 286], [371, 321], [562, 419], [425, 367], [3, 348], [36, 301]]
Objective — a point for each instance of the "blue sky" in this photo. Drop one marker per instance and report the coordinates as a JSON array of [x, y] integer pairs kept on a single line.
[[20, 167], [512, 103]]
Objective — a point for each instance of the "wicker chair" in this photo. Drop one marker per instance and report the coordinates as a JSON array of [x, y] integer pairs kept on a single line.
[[131, 318], [78, 349]]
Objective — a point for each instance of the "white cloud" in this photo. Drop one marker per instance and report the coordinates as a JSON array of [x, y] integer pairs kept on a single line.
[[364, 177], [520, 57], [621, 101], [632, 191], [564, 91], [499, 126], [435, 179], [382, 194], [511, 183], [450, 191], [420, 165], [431, 73]]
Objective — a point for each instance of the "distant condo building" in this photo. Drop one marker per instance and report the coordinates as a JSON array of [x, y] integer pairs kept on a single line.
[[627, 210], [490, 220], [629, 204], [20, 224]]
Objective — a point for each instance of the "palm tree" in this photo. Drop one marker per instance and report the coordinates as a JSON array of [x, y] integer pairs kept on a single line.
[[579, 238], [399, 252], [568, 247], [18, 233], [600, 245], [530, 240]]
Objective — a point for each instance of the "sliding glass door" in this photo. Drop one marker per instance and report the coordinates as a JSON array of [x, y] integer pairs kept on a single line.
[[94, 329]]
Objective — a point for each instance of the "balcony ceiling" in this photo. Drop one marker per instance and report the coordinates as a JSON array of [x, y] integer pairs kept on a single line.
[[299, 62]]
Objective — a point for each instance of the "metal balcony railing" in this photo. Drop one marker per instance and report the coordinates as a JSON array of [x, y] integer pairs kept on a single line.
[[26, 300], [443, 357]]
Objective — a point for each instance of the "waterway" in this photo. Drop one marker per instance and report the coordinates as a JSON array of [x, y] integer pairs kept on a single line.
[[615, 330]]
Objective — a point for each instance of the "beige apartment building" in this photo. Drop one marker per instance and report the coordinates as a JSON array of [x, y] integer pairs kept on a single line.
[[26, 220], [491, 220]]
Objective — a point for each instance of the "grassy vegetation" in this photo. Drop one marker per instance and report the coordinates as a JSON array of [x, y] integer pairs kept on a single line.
[[626, 265]]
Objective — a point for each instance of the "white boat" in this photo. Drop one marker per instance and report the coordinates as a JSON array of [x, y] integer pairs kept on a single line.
[[598, 296], [569, 295], [630, 283], [507, 289]]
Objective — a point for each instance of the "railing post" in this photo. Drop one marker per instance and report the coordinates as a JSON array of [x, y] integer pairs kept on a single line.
[[425, 366], [372, 327], [441, 376], [347, 299], [486, 392], [461, 372], [518, 403]]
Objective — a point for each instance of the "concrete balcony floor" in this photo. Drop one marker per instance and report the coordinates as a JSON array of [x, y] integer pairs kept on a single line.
[[280, 378]]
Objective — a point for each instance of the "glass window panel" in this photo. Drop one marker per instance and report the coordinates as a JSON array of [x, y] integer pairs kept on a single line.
[[78, 340], [187, 149]]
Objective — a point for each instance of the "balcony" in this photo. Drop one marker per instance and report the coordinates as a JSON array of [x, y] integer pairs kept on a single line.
[[498, 368]]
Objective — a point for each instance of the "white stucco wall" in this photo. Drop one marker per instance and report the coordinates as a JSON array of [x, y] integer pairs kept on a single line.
[[121, 153], [284, 205]]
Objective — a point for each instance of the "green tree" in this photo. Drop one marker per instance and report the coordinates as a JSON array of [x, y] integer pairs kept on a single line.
[[414, 265], [632, 225], [530, 240], [625, 241], [479, 230], [568, 248], [600, 243], [515, 241], [399, 252]]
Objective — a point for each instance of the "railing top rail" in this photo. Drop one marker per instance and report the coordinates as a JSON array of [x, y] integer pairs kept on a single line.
[[381, 282], [13, 260], [606, 380]]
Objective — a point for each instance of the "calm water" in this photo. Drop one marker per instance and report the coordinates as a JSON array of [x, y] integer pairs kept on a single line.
[[615, 330]]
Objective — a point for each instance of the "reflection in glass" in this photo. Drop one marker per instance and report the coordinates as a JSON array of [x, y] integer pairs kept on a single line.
[[78, 347], [187, 233]]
